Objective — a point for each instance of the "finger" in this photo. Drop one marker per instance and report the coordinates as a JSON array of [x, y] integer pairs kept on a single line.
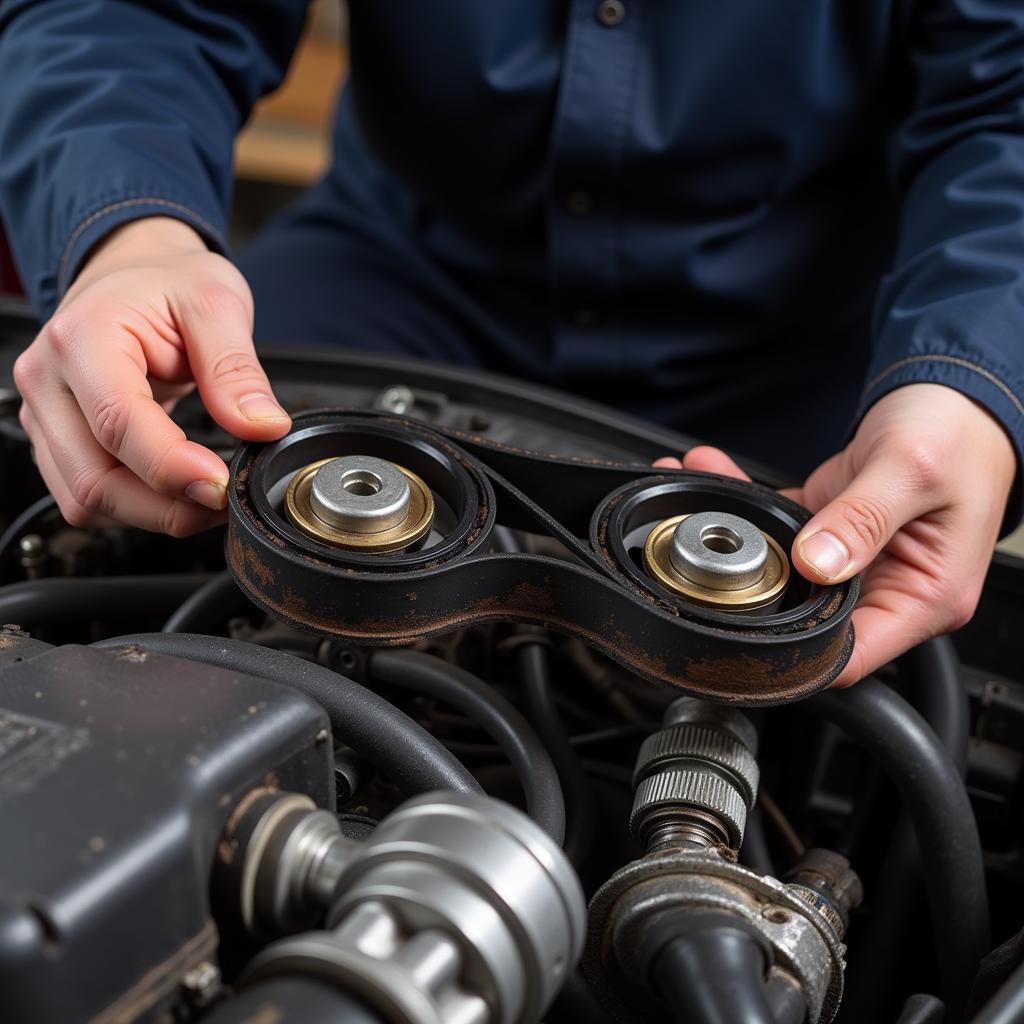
[[705, 459], [94, 487], [853, 528], [105, 369], [217, 327], [69, 508], [882, 632]]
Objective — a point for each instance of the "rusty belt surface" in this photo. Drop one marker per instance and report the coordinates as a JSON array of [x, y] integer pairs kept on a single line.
[[596, 590]]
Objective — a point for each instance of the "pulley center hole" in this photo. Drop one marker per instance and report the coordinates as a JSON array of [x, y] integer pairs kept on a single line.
[[361, 482], [721, 539]]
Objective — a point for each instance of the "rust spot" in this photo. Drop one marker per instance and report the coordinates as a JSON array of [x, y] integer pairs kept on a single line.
[[132, 652]]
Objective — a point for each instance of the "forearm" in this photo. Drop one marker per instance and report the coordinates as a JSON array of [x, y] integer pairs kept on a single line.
[[119, 109], [951, 311]]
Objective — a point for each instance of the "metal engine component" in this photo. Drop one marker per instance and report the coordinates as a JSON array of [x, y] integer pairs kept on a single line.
[[118, 772], [457, 909], [806, 948], [717, 560], [696, 778], [360, 503], [695, 781], [824, 879]]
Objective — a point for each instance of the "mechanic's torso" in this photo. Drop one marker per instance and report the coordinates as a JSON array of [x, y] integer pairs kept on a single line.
[[714, 163]]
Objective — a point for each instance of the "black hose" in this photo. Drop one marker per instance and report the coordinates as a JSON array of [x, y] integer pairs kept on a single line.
[[712, 973], [754, 852], [1007, 1005], [577, 1004], [938, 692], [385, 736], [540, 696], [207, 607], [937, 803], [786, 999], [76, 600], [922, 1009], [293, 999], [433, 677], [940, 695]]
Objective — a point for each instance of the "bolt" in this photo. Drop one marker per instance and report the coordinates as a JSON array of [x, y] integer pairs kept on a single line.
[[202, 984]]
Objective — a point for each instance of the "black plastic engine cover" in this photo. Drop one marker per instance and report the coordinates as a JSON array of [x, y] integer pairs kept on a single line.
[[118, 771]]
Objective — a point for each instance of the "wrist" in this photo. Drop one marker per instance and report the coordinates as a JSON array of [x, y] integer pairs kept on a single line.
[[135, 242]]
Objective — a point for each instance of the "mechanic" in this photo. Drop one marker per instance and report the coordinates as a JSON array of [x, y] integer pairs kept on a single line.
[[796, 227]]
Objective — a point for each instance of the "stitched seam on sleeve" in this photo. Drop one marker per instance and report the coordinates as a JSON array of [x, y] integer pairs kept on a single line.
[[965, 364], [121, 205]]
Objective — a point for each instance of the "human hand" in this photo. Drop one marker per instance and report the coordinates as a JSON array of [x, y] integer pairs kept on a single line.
[[152, 315], [914, 503]]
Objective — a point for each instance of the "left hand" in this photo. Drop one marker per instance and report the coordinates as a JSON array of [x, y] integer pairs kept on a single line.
[[914, 503]]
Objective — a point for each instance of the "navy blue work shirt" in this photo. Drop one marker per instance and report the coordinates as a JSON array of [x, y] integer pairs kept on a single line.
[[748, 218]]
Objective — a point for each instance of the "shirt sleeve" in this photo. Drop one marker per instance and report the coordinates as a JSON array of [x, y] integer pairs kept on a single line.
[[112, 110], [952, 310]]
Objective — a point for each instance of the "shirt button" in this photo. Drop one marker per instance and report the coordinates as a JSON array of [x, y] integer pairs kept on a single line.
[[610, 12], [580, 203], [586, 317]]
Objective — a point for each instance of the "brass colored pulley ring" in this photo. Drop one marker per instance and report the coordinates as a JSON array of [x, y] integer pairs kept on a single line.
[[660, 564], [301, 506]]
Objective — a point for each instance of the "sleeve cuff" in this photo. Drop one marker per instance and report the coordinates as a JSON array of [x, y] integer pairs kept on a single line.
[[100, 222], [983, 383]]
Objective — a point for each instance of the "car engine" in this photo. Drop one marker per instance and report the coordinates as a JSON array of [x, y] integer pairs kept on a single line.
[[470, 716]]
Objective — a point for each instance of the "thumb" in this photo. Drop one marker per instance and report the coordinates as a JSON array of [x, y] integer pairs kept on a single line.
[[216, 328], [846, 535]]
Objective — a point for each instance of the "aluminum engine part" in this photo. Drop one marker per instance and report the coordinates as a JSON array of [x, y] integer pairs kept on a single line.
[[804, 945], [696, 778], [457, 909], [718, 560], [360, 503]]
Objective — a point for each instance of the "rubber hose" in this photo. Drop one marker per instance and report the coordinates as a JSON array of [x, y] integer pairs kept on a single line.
[[206, 607], [1007, 1005], [713, 976], [385, 736], [292, 1000], [754, 852], [433, 677], [540, 696], [938, 692], [922, 1009], [75, 600], [936, 800]]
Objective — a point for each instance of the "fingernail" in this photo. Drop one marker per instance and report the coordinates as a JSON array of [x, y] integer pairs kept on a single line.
[[260, 408], [826, 553], [208, 493]]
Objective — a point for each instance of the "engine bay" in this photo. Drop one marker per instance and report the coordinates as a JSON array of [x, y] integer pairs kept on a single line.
[[469, 715]]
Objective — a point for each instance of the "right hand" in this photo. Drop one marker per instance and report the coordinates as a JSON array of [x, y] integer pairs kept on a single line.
[[152, 315]]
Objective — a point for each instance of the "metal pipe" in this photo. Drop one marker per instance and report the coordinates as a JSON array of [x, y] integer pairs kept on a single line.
[[385, 736]]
